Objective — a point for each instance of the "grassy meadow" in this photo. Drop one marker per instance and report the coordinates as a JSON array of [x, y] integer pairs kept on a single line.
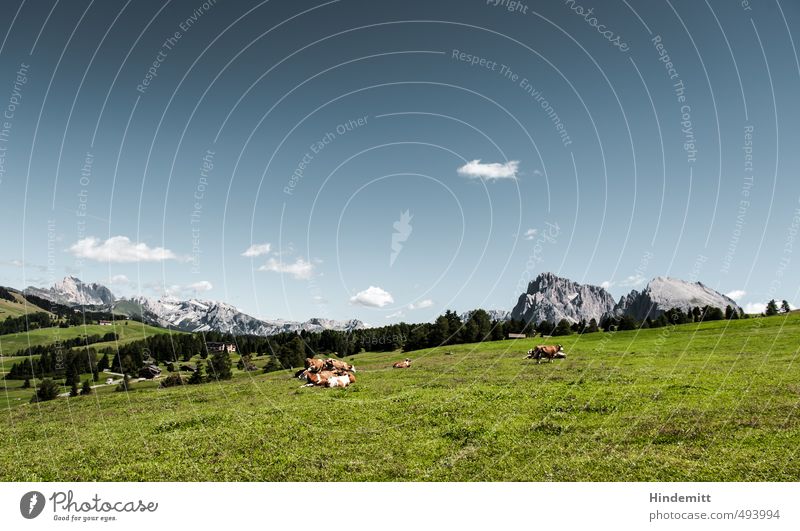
[[17, 308], [716, 401], [128, 331]]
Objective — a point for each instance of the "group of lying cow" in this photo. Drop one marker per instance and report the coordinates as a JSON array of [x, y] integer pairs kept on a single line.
[[546, 351], [327, 373], [334, 373]]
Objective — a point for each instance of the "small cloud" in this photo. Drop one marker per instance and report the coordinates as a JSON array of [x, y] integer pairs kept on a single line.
[[632, 281], [537, 172], [398, 313], [257, 249], [176, 290], [373, 297], [22, 264], [426, 303], [736, 294], [319, 299], [119, 280], [203, 285], [119, 249], [530, 234], [755, 307], [489, 171], [300, 269]]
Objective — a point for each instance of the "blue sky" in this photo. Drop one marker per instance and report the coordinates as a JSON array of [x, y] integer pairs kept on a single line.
[[341, 160]]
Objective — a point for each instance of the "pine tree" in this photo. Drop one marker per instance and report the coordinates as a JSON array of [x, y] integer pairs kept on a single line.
[[26, 384], [86, 389], [197, 375], [48, 390], [785, 307], [772, 308]]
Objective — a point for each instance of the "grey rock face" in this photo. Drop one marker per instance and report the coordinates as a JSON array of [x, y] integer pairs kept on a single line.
[[664, 293], [73, 291], [552, 298]]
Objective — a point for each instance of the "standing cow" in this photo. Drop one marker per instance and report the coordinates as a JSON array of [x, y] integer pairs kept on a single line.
[[546, 351]]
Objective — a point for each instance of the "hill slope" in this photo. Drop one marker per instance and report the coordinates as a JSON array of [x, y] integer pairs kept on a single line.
[[10, 344], [711, 401], [16, 307]]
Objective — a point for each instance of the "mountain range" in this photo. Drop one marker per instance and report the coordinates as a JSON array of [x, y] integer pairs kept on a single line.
[[192, 315], [552, 298], [547, 298]]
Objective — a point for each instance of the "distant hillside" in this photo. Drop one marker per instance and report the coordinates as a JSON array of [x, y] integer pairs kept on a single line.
[[14, 304], [128, 331]]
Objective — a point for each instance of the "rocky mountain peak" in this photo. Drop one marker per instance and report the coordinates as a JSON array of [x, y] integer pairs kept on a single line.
[[552, 298]]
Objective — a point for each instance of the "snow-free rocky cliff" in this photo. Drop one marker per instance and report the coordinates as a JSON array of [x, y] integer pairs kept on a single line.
[[664, 293], [72, 291], [193, 315], [552, 298]]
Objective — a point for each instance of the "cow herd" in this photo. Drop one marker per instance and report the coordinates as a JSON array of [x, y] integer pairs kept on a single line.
[[327, 373], [336, 373]]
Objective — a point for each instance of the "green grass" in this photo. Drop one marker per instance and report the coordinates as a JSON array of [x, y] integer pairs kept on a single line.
[[15, 309], [711, 402], [10, 344]]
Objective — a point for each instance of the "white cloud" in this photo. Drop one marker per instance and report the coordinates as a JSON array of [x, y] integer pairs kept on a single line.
[[319, 299], [119, 279], [373, 296], [299, 270], [631, 281], [736, 294], [203, 285], [398, 313], [119, 249], [530, 234], [494, 170], [257, 249], [426, 303], [755, 307]]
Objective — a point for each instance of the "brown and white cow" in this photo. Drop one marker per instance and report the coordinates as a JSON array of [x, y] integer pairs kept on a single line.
[[405, 364], [315, 365], [546, 351], [320, 378], [337, 365], [342, 380]]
